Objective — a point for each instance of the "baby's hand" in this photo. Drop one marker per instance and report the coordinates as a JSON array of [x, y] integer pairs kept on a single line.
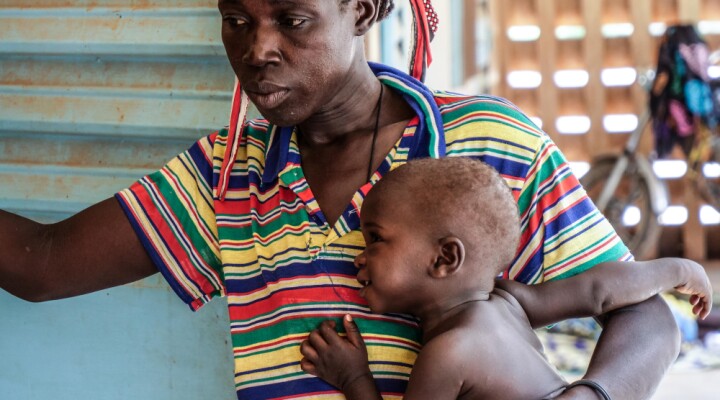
[[338, 361], [697, 285]]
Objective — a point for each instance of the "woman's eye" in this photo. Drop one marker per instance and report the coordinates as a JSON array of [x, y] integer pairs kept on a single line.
[[235, 21], [294, 22]]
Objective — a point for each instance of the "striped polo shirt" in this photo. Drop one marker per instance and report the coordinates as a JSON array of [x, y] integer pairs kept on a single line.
[[268, 248]]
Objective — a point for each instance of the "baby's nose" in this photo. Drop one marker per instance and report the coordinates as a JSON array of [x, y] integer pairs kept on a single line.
[[360, 261]]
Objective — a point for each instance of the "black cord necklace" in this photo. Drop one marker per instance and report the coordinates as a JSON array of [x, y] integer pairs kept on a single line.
[[378, 108]]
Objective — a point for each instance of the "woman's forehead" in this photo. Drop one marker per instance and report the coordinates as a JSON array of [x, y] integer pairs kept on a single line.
[[281, 2], [272, 7]]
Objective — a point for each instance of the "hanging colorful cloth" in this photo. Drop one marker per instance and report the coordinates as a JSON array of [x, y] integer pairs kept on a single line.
[[681, 97], [425, 22]]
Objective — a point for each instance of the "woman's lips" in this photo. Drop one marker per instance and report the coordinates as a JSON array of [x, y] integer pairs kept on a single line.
[[268, 99]]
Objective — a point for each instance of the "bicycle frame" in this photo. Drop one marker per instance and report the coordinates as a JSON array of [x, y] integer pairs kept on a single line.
[[659, 196]]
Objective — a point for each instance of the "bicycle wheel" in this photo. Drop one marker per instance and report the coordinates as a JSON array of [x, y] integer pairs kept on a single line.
[[709, 175], [630, 209]]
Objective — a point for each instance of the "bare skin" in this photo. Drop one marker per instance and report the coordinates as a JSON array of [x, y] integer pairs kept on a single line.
[[477, 344], [91, 251], [458, 361], [463, 356], [323, 70], [334, 185]]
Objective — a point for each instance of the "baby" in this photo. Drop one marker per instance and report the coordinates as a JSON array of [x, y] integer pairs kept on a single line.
[[438, 232]]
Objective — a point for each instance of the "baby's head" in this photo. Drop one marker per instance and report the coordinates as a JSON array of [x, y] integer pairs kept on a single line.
[[433, 219]]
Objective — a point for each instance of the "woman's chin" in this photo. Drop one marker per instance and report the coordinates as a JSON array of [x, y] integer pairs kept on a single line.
[[282, 116]]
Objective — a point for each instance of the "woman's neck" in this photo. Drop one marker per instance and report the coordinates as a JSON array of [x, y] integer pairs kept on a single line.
[[352, 109]]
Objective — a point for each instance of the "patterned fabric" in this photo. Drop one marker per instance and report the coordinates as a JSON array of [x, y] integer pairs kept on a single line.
[[432, 17], [269, 249]]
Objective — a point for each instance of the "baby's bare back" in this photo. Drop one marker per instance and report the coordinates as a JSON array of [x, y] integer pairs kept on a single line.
[[501, 355]]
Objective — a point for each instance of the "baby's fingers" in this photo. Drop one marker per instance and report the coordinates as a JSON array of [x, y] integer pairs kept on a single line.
[[308, 351], [317, 341], [706, 307], [701, 305], [352, 331], [307, 366]]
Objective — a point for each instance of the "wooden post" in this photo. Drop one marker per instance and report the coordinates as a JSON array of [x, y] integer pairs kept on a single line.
[[594, 93], [547, 53], [693, 233], [689, 11]]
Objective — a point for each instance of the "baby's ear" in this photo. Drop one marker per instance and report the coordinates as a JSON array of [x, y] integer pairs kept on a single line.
[[450, 258]]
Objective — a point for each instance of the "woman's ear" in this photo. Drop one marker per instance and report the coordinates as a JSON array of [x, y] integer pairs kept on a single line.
[[450, 258], [366, 11]]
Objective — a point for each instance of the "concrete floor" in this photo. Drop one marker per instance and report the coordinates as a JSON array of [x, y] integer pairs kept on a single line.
[[686, 385], [694, 385]]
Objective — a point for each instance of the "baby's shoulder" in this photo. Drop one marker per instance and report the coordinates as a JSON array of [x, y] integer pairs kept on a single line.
[[495, 320]]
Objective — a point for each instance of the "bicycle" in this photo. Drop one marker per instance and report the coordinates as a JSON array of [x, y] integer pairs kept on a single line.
[[626, 190]]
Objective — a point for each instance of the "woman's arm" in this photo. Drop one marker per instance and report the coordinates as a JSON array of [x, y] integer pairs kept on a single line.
[[637, 346], [93, 250]]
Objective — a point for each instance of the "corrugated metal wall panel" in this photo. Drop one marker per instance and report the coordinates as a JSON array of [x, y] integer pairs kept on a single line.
[[93, 95]]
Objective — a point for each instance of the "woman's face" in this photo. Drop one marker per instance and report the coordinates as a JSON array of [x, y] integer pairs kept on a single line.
[[293, 57]]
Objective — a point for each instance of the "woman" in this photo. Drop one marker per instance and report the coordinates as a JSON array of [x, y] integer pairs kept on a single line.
[[266, 212]]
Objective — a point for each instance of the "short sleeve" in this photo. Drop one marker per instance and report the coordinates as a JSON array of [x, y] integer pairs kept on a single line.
[[563, 233], [172, 212]]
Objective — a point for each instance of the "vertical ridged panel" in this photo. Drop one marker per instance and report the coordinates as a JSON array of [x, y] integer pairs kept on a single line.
[[94, 94]]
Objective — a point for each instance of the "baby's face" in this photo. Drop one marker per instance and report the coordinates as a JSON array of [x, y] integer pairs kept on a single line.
[[398, 250]]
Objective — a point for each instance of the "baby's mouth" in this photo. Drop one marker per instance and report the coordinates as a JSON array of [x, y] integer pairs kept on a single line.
[[365, 284]]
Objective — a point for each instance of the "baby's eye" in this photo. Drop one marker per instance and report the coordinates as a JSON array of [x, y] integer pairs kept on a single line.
[[374, 238]]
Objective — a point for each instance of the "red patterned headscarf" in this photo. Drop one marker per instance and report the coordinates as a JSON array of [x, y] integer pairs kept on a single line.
[[425, 23]]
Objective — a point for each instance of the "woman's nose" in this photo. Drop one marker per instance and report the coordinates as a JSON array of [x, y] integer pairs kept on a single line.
[[263, 48]]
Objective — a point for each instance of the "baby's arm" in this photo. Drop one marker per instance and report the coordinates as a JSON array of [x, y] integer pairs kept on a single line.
[[609, 286], [340, 362]]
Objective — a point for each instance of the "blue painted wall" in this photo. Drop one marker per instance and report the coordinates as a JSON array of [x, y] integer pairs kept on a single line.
[[93, 95], [133, 342]]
